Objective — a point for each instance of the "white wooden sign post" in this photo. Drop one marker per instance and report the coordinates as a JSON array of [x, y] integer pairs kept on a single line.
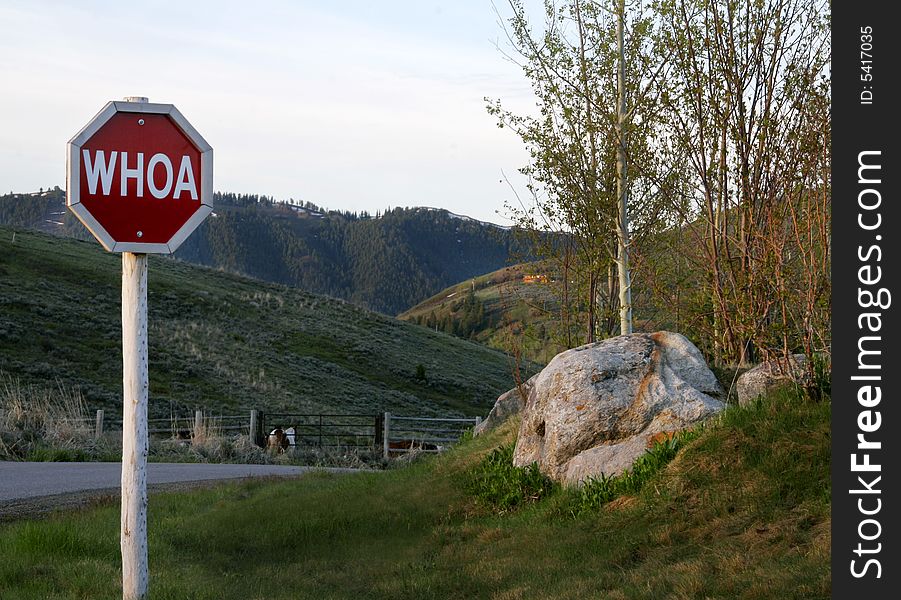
[[140, 178], [135, 442]]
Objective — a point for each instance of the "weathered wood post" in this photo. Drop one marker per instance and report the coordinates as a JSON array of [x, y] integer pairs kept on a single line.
[[256, 428], [198, 424], [134, 426], [386, 433], [379, 430], [98, 424]]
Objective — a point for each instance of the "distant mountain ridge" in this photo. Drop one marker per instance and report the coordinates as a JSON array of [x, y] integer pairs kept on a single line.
[[387, 262]]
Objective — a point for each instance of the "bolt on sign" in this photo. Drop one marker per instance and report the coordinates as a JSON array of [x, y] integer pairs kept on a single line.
[[140, 178]]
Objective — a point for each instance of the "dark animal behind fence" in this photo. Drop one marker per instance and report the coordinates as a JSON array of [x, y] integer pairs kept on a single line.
[[411, 444], [278, 440]]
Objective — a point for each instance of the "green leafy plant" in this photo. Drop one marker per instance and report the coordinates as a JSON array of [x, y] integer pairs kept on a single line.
[[497, 483], [597, 491], [821, 383]]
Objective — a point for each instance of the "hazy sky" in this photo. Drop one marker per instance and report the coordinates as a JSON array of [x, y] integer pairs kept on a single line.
[[348, 104]]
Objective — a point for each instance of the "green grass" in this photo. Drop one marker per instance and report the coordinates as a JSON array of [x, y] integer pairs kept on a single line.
[[742, 511], [498, 484], [223, 342], [598, 491], [510, 305]]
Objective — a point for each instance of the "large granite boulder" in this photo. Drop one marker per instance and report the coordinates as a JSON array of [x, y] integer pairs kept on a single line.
[[508, 404], [595, 409], [771, 375]]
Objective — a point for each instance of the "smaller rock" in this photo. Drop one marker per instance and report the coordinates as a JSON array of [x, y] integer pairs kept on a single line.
[[771, 375], [507, 404]]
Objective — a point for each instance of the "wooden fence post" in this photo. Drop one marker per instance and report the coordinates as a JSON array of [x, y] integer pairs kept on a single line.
[[98, 424], [386, 435], [379, 431], [198, 423], [256, 428]]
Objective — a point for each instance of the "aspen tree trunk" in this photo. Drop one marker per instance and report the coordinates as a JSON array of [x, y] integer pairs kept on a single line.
[[133, 532], [622, 226], [592, 307], [595, 306]]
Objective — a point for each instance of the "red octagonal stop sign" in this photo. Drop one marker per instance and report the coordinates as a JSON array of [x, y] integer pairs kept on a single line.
[[140, 177]]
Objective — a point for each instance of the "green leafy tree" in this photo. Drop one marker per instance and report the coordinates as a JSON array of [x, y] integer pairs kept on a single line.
[[581, 144], [747, 105]]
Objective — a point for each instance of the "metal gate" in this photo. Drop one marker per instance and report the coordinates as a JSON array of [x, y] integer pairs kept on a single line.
[[422, 434], [323, 430]]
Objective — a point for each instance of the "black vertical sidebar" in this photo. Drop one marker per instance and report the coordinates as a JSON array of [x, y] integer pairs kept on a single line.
[[866, 375]]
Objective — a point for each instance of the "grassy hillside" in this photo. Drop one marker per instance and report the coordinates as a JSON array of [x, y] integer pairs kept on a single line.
[[742, 512], [224, 342], [386, 264], [489, 308]]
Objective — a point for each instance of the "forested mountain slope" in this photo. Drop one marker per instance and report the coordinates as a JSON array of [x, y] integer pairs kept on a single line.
[[388, 262]]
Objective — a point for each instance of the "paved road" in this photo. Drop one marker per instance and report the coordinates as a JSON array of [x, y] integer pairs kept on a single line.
[[21, 480]]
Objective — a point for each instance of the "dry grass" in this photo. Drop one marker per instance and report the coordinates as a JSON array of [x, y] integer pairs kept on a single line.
[[54, 424], [34, 419]]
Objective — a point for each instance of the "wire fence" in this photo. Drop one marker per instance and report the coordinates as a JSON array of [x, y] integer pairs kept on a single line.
[[390, 434]]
